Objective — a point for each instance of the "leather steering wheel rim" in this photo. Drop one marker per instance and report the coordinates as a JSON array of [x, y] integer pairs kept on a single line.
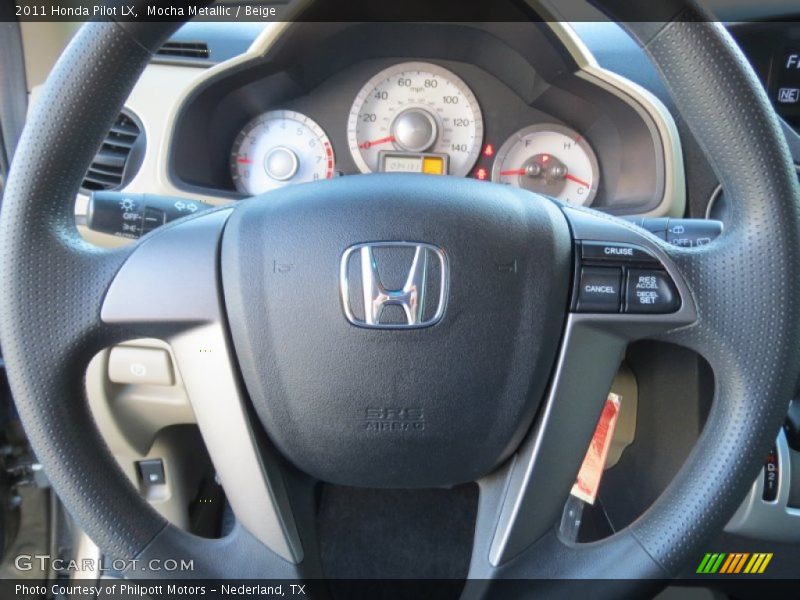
[[747, 326]]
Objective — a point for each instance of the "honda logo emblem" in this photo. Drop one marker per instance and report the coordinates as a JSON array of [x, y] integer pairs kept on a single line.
[[422, 297]]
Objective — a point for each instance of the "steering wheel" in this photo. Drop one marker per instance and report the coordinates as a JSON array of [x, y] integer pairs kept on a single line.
[[487, 373]]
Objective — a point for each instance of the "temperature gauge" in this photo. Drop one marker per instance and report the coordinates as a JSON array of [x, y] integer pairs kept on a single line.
[[549, 159], [278, 148]]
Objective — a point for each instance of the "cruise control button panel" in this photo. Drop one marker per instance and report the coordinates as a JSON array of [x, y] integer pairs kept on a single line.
[[613, 277]]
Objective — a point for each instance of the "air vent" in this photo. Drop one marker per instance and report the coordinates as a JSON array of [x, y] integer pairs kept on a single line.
[[184, 50], [119, 157]]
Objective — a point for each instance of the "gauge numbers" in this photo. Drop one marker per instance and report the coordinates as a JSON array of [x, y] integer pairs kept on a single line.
[[278, 148], [415, 109]]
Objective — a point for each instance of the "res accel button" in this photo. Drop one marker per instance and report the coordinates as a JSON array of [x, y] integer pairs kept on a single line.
[[599, 290], [650, 291]]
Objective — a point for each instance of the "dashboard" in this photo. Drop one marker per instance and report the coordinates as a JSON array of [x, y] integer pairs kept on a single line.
[[414, 117], [494, 101]]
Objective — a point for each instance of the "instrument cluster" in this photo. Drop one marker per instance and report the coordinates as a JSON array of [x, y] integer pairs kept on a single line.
[[414, 117]]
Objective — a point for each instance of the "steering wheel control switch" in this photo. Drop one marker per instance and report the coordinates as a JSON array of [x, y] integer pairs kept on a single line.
[[650, 291], [133, 215], [613, 252], [599, 289], [136, 366], [686, 233], [622, 278]]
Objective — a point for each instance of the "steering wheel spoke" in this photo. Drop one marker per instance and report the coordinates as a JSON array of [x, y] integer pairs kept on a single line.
[[169, 288], [524, 501]]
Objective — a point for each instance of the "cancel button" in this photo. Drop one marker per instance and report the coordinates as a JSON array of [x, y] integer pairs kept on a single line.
[[599, 290]]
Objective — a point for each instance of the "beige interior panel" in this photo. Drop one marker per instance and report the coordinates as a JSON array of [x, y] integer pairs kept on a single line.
[[42, 44], [150, 421]]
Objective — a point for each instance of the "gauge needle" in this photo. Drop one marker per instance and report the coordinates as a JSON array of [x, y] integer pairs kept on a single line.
[[572, 177], [513, 172], [243, 161], [383, 140]]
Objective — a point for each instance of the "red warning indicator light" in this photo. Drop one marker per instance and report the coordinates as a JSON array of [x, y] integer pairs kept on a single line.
[[481, 174], [545, 158], [488, 150]]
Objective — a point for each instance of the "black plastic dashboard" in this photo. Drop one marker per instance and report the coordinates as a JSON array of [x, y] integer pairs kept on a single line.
[[520, 74]]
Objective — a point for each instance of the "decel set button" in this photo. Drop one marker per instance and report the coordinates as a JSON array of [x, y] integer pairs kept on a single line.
[[650, 291], [599, 290]]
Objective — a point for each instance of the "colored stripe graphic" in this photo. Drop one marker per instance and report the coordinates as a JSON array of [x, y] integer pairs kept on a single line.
[[732, 558], [711, 563], [734, 563], [741, 562], [758, 563], [703, 563]]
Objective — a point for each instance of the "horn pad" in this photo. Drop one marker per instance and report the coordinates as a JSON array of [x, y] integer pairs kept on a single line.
[[396, 330]]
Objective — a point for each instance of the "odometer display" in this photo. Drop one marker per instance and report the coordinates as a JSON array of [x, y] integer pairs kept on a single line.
[[416, 108]]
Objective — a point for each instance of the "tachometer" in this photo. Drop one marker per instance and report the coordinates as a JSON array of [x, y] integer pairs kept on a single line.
[[278, 148], [549, 159], [415, 117]]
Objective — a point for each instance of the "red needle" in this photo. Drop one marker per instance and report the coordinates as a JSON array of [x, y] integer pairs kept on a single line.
[[383, 140], [513, 172], [244, 161], [572, 177]]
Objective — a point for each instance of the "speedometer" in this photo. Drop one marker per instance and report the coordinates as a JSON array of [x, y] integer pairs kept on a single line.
[[415, 117]]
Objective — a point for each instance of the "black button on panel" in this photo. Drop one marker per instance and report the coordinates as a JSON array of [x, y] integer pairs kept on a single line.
[[152, 472], [650, 291], [607, 251], [599, 290]]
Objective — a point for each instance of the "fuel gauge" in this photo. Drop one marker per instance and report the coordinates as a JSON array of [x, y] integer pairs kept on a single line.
[[549, 159]]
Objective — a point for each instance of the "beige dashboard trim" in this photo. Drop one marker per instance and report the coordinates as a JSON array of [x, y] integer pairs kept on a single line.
[[673, 201]]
